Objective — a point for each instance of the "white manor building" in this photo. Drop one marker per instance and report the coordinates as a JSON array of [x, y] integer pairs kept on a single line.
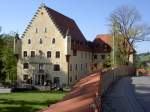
[[53, 50]]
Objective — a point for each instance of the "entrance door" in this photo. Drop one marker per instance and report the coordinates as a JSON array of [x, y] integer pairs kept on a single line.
[[56, 81], [42, 80]]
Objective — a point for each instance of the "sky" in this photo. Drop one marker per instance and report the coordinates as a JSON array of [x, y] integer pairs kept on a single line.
[[90, 15]]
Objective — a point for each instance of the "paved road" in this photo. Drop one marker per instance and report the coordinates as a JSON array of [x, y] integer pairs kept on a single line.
[[122, 97], [5, 90], [142, 91]]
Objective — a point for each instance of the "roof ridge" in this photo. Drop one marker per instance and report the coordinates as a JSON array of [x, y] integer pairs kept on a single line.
[[57, 12]]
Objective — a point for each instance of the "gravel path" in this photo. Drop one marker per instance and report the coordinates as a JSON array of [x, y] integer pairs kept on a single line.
[[122, 98]]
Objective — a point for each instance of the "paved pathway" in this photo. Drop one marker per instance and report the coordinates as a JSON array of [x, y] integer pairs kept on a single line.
[[80, 98], [5, 90], [121, 98], [142, 90]]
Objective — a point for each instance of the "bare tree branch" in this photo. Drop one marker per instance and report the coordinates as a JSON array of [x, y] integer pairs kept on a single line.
[[126, 22]]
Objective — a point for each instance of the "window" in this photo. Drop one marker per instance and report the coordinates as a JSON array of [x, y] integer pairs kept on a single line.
[[36, 30], [81, 55], [29, 41], [85, 55], [56, 80], [81, 66], [40, 53], [48, 54], [25, 53], [76, 77], [74, 52], [86, 65], [45, 30], [41, 68], [32, 53], [41, 41], [103, 56], [25, 66], [89, 55], [57, 54], [95, 56], [70, 79], [95, 65], [76, 67], [70, 67], [56, 67], [53, 41], [25, 77]]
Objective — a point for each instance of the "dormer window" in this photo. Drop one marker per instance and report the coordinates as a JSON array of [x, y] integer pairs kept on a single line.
[[53, 41], [41, 41], [29, 41]]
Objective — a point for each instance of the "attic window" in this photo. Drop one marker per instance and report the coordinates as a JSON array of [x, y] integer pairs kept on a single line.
[[53, 41], [41, 41], [45, 30], [29, 41], [36, 30]]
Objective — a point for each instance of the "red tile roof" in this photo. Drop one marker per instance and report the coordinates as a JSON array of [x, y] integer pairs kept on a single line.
[[65, 24], [102, 43], [106, 38]]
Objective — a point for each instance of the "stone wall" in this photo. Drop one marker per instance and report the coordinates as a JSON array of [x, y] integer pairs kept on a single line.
[[108, 77]]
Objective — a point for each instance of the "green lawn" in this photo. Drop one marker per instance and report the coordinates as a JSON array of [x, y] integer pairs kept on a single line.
[[28, 101]]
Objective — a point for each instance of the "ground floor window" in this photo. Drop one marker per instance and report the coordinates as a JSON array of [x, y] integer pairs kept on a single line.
[[76, 77], [56, 67], [25, 77], [25, 66], [70, 79], [103, 56]]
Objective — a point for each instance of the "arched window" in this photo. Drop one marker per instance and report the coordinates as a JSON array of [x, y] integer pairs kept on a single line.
[[29, 41], [53, 41]]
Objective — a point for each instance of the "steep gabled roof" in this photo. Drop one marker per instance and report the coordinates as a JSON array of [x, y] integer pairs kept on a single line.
[[65, 24]]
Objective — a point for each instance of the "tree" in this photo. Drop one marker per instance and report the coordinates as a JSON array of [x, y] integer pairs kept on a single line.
[[7, 59], [125, 22]]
